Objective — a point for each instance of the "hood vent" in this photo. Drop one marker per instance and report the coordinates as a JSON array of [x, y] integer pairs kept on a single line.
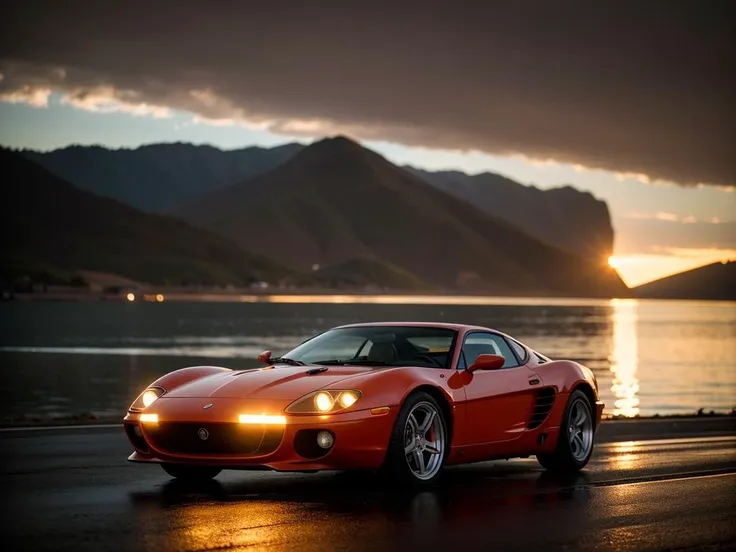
[[314, 371]]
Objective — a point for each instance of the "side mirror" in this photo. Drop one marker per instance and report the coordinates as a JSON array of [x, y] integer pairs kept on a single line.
[[264, 357], [487, 362]]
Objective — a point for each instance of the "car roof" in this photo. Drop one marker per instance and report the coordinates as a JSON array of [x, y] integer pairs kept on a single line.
[[449, 326]]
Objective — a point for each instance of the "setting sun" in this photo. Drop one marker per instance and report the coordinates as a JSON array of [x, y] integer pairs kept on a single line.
[[637, 269]]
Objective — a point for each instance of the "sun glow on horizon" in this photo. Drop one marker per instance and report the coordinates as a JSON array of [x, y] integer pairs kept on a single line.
[[638, 269]]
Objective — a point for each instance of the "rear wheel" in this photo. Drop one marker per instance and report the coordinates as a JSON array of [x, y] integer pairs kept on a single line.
[[190, 473], [419, 441], [575, 441]]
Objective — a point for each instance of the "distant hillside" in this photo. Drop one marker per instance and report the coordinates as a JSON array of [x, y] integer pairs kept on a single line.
[[49, 227], [363, 272], [716, 281], [160, 177], [564, 217], [335, 200], [157, 177]]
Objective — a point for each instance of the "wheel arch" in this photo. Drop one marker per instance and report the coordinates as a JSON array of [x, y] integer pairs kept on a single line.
[[586, 388], [437, 394]]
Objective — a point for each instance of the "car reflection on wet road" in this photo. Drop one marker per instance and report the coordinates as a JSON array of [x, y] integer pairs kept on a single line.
[[344, 511], [654, 494]]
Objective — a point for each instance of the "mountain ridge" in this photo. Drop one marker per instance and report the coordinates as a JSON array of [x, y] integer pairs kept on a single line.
[[562, 216], [50, 225], [714, 281], [156, 177], [336, 199], [52, 232]]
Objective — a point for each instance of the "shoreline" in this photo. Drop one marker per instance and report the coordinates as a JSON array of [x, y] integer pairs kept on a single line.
[[337, 296]]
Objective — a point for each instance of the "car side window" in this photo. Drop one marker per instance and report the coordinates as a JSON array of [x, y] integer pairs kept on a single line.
[[482, 343], [521, 352]]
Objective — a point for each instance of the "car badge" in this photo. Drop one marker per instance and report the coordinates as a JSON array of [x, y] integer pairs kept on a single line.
[[203, 434], [205, 407]]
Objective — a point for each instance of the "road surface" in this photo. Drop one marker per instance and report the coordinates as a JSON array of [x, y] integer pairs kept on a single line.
[[659, 485]]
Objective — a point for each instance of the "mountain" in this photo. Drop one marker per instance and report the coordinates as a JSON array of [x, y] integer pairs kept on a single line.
[[370, 273], [48, 227], [335, 200], [158, 177], [564, 217], [161, 177], [716, 281]]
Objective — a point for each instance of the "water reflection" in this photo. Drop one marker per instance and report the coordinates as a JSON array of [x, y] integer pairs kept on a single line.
[[348, 299], [625, 358]]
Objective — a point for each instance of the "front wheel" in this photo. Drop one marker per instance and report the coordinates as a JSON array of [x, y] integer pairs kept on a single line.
[[183, 472], [575, 441], [419, 441]]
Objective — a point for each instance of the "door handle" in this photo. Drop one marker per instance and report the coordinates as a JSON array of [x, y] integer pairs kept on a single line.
[[534, 381]]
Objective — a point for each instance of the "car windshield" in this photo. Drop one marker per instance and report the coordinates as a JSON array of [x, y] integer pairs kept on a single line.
[[379, 346]]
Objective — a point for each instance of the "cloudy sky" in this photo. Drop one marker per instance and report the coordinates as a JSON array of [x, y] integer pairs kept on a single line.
[[630, 100]]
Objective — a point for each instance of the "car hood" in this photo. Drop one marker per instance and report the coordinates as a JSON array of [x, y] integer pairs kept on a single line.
[[287, 382]]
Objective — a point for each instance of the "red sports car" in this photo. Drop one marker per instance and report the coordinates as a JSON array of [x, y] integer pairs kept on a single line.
[[408, 398]]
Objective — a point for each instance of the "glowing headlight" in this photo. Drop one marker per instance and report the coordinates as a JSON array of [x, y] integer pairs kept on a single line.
[[347, 399], [147, 398], [322, 402]]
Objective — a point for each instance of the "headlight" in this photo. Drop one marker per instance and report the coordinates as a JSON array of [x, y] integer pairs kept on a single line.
[[323, 402], [347, 398], [147, 398]]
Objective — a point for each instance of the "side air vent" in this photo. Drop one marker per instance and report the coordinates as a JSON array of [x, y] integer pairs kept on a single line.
[[542, 406]]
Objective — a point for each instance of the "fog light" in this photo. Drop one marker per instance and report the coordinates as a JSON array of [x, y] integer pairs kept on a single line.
[[325, 439]]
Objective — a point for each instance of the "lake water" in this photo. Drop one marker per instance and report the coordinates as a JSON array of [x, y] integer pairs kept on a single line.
[[66, 358]]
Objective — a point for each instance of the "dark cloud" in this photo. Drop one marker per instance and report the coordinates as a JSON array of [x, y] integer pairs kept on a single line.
[[630, 86]]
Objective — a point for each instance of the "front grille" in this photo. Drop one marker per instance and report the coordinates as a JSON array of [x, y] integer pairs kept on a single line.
[[542, 406], [209, 439]]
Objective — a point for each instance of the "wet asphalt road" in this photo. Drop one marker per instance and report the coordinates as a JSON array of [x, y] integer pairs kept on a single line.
[[657, 485]]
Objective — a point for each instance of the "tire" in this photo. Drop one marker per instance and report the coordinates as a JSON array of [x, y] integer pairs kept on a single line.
[[182, 472], [575, 440], [417, 451]]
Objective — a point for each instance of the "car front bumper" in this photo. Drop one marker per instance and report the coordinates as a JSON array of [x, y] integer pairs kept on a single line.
[[599, 405], [360, 440]]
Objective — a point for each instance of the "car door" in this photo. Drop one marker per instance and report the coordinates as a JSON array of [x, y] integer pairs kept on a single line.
[[499, 402]]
